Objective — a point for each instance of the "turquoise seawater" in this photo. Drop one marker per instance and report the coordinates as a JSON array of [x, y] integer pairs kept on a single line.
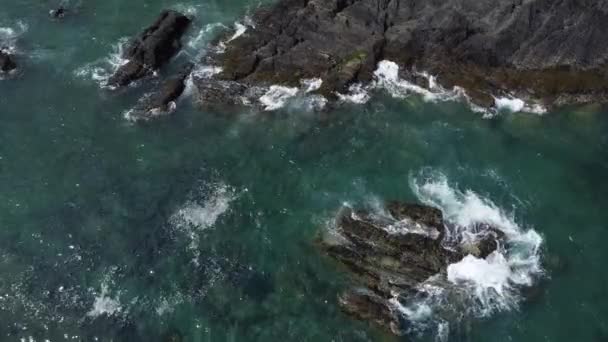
[[202, 224]]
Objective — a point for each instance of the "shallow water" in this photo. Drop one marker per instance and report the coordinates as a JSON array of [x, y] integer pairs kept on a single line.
[[202, 224]]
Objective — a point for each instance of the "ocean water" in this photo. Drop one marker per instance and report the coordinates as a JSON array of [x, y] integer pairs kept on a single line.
[[200, 226]]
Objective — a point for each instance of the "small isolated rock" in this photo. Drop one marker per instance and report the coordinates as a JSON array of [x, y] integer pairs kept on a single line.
[[58, 13], [6, 62]]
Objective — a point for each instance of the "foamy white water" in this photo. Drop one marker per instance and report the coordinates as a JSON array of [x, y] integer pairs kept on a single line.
[[311, 84], [101, 70], [276, 97], [387, 77], [104, 303], [197, 215], [473, 286], [357, 94], [515, 105]]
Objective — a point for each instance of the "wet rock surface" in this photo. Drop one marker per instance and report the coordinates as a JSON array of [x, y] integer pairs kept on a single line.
[[163, 100], [553, 51], [392, 254], [152, 49]]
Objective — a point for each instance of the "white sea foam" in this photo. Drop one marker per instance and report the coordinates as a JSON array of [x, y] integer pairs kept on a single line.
[[197, 215], [239, 30], [311, 84], [8, 34], [515, 105], [357, 94], [387, 77], [101, 70], [104, 303], [474, 287], [512, 105], [491, 284], [202, 215], [277, 96], [206, 71]]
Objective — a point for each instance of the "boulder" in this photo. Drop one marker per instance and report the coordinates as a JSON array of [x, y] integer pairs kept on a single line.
[[152, 49]]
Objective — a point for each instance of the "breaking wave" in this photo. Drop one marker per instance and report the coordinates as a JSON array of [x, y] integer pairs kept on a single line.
[[386, 77], [277, 96], [514, 105], [472, 287], [101, 70]]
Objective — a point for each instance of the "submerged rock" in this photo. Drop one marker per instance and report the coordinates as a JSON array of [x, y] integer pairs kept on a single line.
[[152, 49], [58, 13], [547, 50], [392, 254], [6, 62]]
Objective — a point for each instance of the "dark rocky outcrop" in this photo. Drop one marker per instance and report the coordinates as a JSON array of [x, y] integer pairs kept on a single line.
[[554, 51], [152, 49], [6, 62], [391, 254]]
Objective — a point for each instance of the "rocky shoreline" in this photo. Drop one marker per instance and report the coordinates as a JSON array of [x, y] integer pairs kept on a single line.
[[545, 52]]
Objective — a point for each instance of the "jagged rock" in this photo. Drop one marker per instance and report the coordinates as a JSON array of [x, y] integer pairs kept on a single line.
[[390, 254], [554, 51], [152, 49], [6, 62]]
